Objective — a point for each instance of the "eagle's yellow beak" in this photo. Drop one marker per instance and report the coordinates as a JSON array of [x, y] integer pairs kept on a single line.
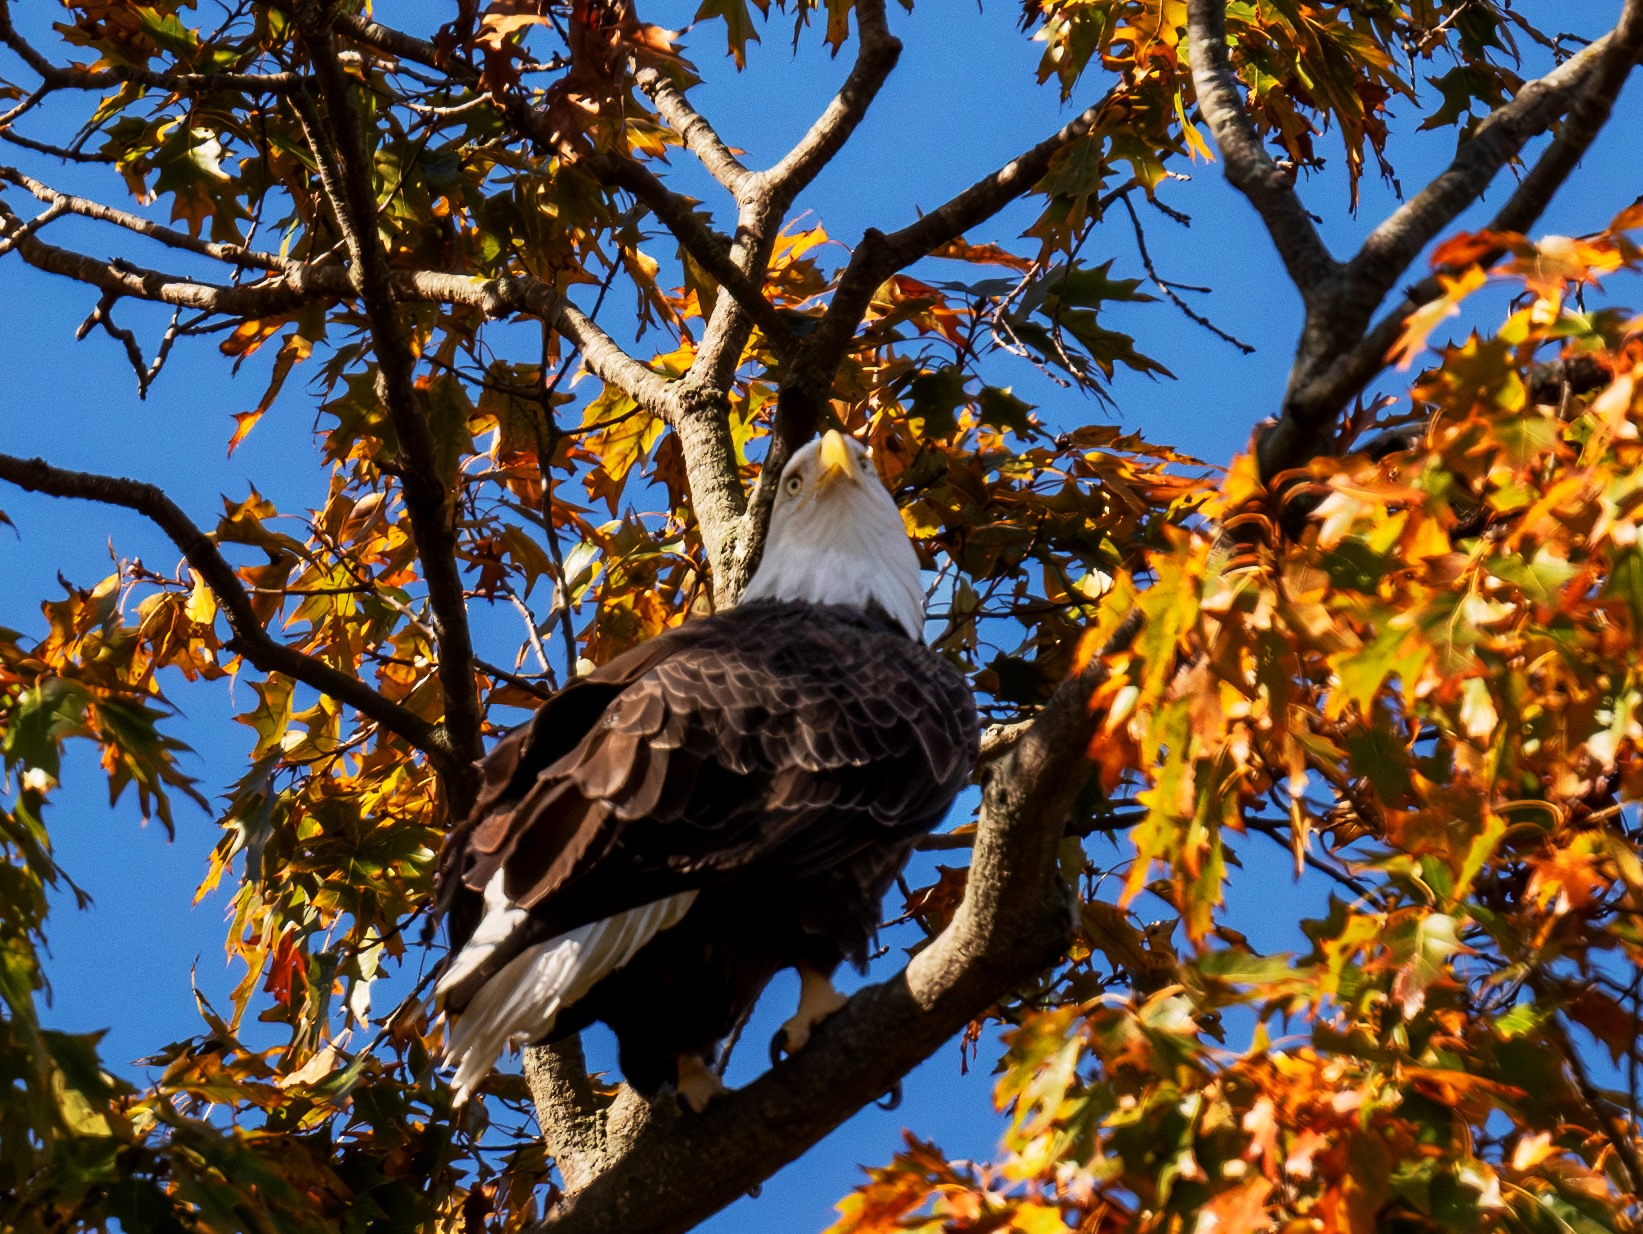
[[836, 459]]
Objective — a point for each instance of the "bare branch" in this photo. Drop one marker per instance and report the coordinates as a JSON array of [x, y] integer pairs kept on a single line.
[[605, 357], [1249, 167], [139, 283], [728, 325], [1014, 919], [997, 740], [346, 177], [251, 639], [59, 152], [700, 137], [29, 103], [877, 51], [103, 315], [1168, 289], [15, 235], [234, 254]]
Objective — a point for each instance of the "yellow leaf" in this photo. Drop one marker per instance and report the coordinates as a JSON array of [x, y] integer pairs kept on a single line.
[[1033, 1218], [1531, 1150], [202, 605]]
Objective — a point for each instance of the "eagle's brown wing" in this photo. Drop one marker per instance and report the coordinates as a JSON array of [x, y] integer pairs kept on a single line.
[[771, 741]]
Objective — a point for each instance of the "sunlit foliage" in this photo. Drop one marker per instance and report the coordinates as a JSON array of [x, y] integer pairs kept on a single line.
[[1414, 665]]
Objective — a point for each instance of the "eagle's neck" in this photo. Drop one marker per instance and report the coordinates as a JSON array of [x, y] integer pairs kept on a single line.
[[876, 574]]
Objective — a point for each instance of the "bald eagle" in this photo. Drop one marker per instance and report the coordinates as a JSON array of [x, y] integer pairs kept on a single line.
[[732, 798]]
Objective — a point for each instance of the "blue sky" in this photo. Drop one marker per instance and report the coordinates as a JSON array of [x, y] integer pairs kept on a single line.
[[962, 101]]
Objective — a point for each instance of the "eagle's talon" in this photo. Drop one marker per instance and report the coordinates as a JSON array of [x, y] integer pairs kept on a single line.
[[892, 1099], [697, 1084], [817, 1000]]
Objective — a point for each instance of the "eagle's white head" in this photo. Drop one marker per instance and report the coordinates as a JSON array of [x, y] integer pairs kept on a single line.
[[836, 537]]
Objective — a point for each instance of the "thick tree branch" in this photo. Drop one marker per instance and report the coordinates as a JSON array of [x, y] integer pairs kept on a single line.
[[1339, 351], [1249, 167], [579, 1126], [1393, 245], [700, 416], [1327, 377], [401, 46], [1014, 919], [603, 355], [251, 639], [728, 325], [346, 177]]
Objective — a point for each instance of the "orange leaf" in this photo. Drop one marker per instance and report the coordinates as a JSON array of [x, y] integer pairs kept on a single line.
[[244, 422], [1425, 319]]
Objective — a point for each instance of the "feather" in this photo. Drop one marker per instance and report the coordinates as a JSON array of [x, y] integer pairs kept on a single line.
[[767, 768], [520, 1003], [502, 917]]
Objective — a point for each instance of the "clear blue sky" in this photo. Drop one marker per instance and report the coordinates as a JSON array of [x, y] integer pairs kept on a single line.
[[962, 101]]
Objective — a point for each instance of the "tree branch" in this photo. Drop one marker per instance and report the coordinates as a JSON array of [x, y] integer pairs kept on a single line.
[[12, 236], [234, 254], [699, 136], [697, 239], [1267, 186], [881, 254], [877, 51], [578, 1124], [346, 176], [401, 46], [700, 416], [299, 283], [251, 639], [876, 258], [1013, 920], [1333, 372], [59, 78], [1393, 245], [764, 199]]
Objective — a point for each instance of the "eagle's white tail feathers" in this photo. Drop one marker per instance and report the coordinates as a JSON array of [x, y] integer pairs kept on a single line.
[[502, 918], [519, 1003]]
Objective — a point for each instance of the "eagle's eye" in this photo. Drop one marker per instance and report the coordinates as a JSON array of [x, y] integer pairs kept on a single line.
[[794, 484]]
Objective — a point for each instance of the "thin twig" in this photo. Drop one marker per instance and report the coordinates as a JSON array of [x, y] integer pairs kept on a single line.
[[1169, 289]]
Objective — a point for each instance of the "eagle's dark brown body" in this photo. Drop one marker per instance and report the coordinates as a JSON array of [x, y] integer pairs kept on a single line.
[[778, 759]]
